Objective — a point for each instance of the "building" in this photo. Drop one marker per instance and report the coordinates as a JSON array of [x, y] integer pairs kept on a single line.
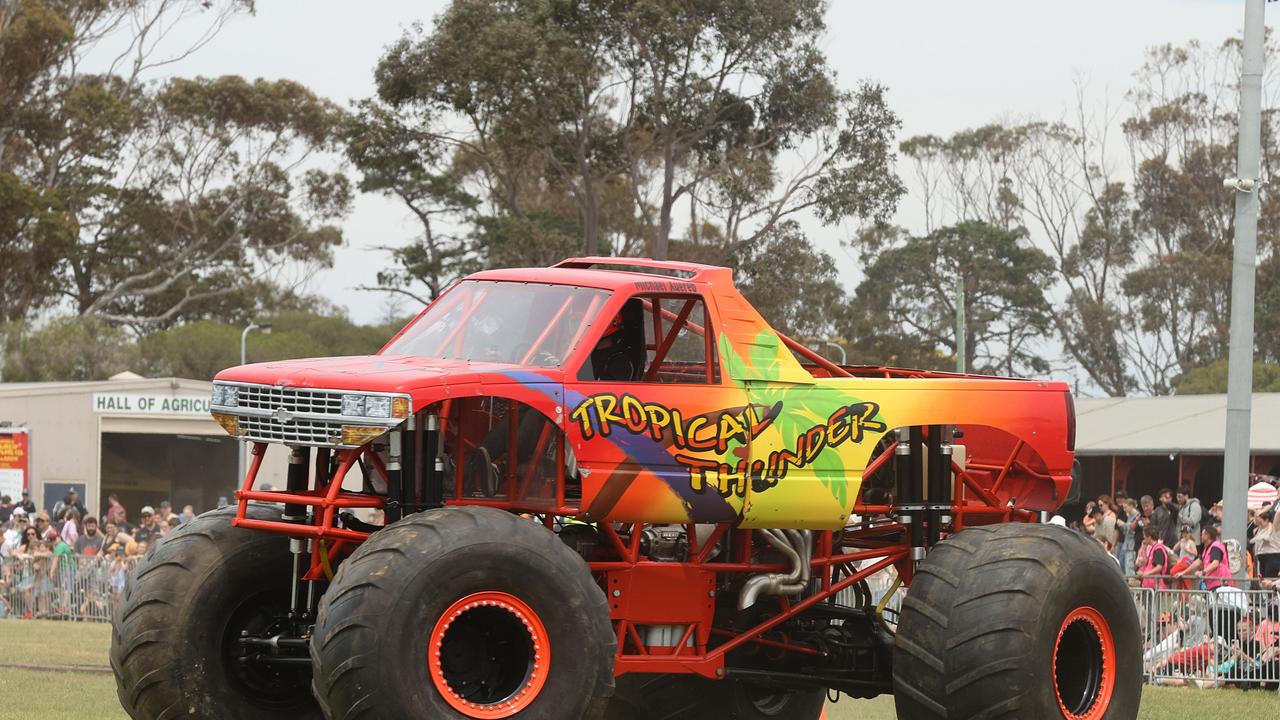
[[1143, 444], [145, 440]]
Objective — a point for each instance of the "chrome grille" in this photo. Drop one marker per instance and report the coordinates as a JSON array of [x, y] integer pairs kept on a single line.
[[266, 397], [294, 416], [297, 432]]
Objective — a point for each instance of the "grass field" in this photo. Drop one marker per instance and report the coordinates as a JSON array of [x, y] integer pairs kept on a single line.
[[80, 693]]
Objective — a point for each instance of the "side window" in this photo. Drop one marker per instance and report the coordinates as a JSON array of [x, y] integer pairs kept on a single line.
[[656, 339]]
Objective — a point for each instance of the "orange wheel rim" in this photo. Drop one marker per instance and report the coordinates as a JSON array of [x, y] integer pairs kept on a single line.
[[1084, 665], [488, 655]]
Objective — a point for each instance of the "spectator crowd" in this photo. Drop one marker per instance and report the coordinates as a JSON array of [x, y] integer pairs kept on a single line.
[[65, 563], [1201, 626]]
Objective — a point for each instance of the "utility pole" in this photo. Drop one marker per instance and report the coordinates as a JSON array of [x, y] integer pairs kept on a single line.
[[1235, 466], [961, 328]]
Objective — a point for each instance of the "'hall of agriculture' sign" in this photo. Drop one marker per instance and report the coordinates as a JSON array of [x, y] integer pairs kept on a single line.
[[151, 404]]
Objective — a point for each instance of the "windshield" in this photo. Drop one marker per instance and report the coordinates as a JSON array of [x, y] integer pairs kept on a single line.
[[502, 322]]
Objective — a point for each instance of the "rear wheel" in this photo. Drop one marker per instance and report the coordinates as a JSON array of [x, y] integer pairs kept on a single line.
[[470, 613], [1018, 621], [175, 636]]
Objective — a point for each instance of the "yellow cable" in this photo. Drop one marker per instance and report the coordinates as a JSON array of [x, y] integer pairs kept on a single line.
[[324, 561], [884, 601]]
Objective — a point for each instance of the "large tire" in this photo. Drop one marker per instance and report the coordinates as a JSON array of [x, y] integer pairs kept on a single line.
[[183, 608], [1018, 621], [688, 697], [418, 608]]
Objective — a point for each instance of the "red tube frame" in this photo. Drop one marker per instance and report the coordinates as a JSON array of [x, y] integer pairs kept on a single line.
[[973, 503]]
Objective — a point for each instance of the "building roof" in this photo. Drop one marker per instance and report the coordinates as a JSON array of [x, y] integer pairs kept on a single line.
[[171, 384], [1162, 425]]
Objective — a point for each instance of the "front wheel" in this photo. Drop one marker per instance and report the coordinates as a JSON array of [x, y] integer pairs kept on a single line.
[[1032, 622], [175, 636], [463, 613]]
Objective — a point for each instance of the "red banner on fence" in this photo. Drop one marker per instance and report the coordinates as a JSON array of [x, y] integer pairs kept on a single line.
[[15, 461]]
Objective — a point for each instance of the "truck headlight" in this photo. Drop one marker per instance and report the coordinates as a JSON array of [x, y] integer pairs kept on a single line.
[[383, 407], [353, 405], [378, 406], [225, 395]]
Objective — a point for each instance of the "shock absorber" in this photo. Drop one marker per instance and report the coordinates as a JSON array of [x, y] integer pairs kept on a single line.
[[934, 445], [908, 458], [296, 481]]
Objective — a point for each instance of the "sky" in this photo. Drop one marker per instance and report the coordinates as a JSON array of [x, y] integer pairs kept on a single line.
[[948, 66]]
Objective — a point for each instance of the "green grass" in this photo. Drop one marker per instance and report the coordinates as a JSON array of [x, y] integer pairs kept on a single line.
[[75, 695]]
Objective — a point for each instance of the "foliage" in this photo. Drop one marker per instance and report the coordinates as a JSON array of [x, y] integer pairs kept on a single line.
[[600, 125], [139, 202], [74, 348], [790, 282], [912, 282], [201, 349], [1141, 260], [1212, 378], [69, 348]]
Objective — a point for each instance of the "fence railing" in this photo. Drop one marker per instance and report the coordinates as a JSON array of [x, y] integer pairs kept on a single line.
[[70, 587], [1210, 638]]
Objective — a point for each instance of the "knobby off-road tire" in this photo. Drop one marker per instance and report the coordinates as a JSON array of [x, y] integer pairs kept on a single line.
[[1018, 621], [183, 608], [470, 600], [687, 697]]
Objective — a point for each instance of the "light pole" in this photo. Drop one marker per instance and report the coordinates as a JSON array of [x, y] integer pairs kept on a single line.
[[1235, 461], [265, 328], [843, 357]]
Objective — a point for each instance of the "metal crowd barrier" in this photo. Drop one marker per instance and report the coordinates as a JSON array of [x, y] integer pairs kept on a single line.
[[1209, 638], [72, 588]]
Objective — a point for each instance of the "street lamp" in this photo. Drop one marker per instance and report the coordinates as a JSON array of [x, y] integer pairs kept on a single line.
[[265, 328], [843, 357], [244, 336]]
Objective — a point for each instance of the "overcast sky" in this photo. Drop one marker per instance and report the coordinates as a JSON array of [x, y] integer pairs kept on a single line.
[[948, 66]]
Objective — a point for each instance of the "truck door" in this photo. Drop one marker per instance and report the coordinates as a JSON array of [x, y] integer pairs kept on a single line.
[[660, 435]]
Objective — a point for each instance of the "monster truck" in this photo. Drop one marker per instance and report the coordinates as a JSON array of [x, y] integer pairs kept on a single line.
[[609, 489]]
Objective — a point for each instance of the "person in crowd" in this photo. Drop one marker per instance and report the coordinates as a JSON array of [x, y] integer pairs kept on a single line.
[[25, 574], [1129, 535], [90, 542], [1213, 560], [174, 522], [6, 508], [1215, 514], [43, 526], [1106, 528], [1165, 516], [120, 543], [62, 574], [1266, 545], [69, 530], [188, 514], [1090, 521], [146, 530], [13, 535], [116, 512], [41, 561], [70, 500], [1158, 559], [1184, 553], [25, 503], [1189, 510]]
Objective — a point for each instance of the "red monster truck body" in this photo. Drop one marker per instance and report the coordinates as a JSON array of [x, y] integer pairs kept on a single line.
[[720, 494]]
